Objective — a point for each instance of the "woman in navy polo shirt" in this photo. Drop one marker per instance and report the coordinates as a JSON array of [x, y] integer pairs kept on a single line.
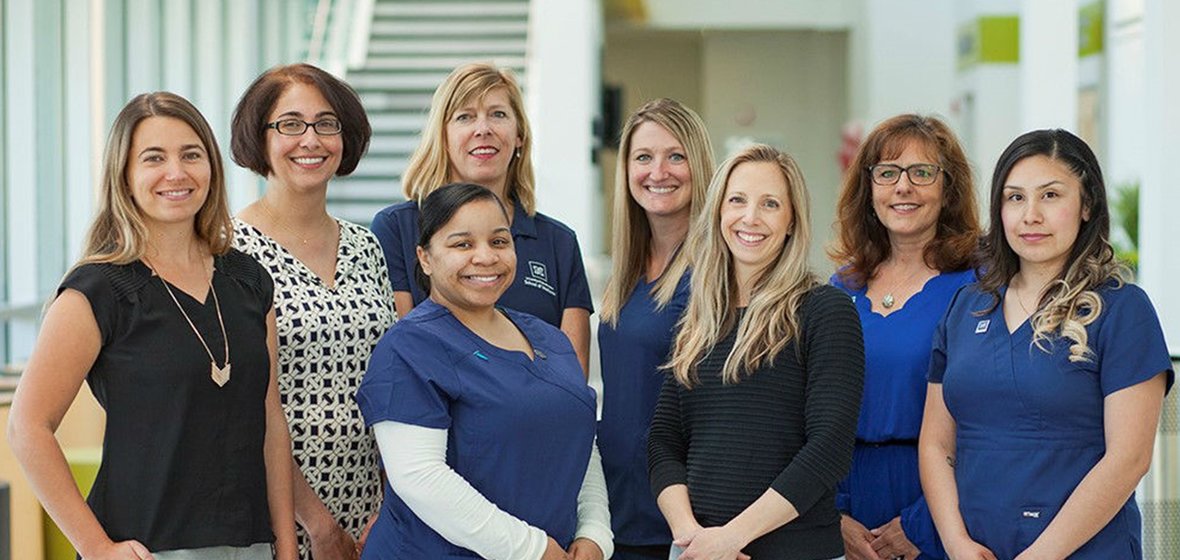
[[484, 421], [664, 149], [477, 132], [1047, 377]]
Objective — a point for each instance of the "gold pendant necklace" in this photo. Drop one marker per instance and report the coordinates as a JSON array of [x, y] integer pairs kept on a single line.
[[220, 375]]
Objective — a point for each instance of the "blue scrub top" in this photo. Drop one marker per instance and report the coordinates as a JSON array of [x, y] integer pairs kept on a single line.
[[1029, 422], [550, 276], [519, 430], [884, 483], [631, 353]]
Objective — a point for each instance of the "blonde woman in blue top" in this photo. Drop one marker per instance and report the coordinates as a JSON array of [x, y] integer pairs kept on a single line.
[[907, 231], [1047, 378], [665, 163]]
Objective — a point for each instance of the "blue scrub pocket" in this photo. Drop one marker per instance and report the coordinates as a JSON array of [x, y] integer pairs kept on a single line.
[[1032, 522]]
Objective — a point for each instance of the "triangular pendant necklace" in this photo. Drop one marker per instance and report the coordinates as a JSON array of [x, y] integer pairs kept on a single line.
[[220, 375]]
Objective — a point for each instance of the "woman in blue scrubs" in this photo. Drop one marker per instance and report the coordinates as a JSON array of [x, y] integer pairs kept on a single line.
[[908, 226], [477, 132], [483, 418], [1047, 378], [664, 150]]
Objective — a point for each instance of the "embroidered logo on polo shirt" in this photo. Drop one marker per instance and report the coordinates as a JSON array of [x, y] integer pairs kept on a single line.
[[981, 327], [539, 278]]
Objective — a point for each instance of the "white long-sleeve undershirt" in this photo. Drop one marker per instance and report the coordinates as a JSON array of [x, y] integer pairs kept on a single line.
[[415, 463]]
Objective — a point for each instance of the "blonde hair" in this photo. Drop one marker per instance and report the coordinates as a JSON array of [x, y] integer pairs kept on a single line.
[[631, 233], [772, 317], [430, 166], [119, 234], [1070, 302]]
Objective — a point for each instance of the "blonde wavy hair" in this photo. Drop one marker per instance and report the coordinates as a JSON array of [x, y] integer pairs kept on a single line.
[[771, 320], [630, 231], [119, 234], [1070, 302], [430, 167]]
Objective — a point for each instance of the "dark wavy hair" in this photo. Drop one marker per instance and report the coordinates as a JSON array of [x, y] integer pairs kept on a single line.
[[1070, 302], [862, 242]]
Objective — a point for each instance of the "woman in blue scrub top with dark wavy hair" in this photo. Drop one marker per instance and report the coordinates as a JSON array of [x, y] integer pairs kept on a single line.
[[907, 226], [1047, 378], [482, 414], [665, 163]]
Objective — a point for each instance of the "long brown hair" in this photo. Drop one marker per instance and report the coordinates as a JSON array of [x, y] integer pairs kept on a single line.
[[772, 318], [1070, 301], [119, 234], [631, 233], [862, 242]]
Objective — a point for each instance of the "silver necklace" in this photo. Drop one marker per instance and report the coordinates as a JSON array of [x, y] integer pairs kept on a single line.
[[220, 375], [888, 300]]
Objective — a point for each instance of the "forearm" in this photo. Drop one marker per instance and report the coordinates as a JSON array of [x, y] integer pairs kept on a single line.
[[674, 503], [279, 469], [415, 461], [936, 468], [769, 512], [310, 511], [594, 507], [48, 473]]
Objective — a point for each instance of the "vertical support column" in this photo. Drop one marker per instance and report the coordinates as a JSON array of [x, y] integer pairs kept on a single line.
[[1159, 199], [79, 121], [1049, 64], [563, 82]]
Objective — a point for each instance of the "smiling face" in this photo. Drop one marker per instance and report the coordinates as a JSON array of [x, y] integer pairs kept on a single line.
[[168, 171], [310, 160], [470, 259], [658, 174], [909, 212], [482, 138], [1042, 212], [756, 217]]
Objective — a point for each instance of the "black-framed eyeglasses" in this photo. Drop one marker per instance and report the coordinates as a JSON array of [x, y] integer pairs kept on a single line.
[[296, 127], [921, 174]]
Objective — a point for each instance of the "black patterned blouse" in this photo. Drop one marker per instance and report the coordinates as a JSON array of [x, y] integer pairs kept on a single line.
[[325, 337]]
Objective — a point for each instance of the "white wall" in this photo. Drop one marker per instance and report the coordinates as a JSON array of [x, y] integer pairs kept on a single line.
[[788, 89], [565, 38], [903, 59]]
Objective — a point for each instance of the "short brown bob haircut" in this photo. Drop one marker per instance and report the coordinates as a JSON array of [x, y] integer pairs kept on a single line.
[[862, 242], [248, 130]]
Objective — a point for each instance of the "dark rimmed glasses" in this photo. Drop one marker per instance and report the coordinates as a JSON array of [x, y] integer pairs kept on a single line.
[[921, 174], [296, 127]]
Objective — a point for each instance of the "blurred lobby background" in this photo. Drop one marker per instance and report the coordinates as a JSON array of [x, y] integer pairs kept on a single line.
[[808, 76]]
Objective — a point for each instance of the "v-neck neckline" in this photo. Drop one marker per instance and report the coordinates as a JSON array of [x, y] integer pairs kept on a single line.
[[174, 289], [303, 268]]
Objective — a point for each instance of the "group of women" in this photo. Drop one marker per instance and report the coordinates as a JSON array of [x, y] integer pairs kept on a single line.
[[733, 424]]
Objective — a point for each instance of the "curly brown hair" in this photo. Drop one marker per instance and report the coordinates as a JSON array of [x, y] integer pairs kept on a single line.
[[862, 242]]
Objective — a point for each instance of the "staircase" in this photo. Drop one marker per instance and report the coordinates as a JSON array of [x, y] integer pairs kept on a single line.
[[413, 45]]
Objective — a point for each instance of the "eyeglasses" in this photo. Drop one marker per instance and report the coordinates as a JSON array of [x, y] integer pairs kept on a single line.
[[296, 127], [921, 174]]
